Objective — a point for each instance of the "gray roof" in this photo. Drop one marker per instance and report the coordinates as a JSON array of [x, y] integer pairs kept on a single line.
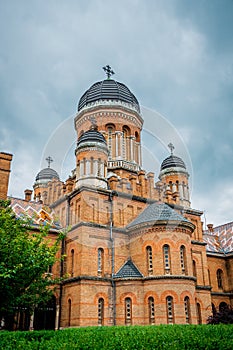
[[172, 162], [157, 212], [108, 89], [128, 270], [47, 174]]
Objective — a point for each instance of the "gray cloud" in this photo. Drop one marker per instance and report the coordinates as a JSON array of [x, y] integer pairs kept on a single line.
[[176, 56]]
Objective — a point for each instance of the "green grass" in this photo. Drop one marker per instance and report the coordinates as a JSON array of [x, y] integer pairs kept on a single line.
[[178, 337]]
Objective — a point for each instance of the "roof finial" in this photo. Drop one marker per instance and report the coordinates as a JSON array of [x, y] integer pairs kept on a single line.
[[108, 70], [171, 146], [49, 160]]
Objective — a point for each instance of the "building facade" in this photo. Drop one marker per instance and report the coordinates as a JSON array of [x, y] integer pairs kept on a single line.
[[136, 252]]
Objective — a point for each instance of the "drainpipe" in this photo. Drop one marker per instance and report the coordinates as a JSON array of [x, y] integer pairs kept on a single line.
[[113, 260], [62, 261]]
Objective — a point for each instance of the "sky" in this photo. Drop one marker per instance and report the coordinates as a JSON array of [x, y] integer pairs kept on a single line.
[[176, 56]]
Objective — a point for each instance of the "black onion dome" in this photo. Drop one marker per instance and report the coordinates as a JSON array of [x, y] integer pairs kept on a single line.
[[47, 174], [108, 90], [91, 135], [172, 162]]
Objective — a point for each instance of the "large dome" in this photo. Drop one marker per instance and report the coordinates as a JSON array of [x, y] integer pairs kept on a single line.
[[91, 135], [172, 162], [108, 90], [47, 174]]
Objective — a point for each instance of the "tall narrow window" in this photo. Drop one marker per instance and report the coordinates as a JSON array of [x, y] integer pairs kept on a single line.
[[187, 310], [199, 320], [183, 260], [72, 263], [128, 311], [100, 260], [149, 259], [194, 270], [101, 312], [166, 258], [170, 310], [220, 278], [110, 132], [151, 304], [69, 313]]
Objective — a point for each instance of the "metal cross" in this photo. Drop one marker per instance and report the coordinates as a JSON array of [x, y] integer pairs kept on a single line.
[[108, 70], [49, 160], [171, 148]]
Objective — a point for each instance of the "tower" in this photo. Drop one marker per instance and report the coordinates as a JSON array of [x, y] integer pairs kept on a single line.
[[5, 165], [173, 174]]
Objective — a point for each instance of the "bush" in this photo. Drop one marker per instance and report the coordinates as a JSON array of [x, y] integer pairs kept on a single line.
[[177, 337]]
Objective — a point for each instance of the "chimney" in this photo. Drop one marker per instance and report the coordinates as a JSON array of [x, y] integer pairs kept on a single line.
[[28, 195], [5, 168], [210, 227]]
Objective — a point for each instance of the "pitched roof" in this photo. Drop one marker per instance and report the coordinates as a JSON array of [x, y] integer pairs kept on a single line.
[[157, 212], [128, 270], [38, 213], [220, 240]]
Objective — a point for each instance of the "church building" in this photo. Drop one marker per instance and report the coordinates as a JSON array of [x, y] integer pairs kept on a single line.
[[135, 252]]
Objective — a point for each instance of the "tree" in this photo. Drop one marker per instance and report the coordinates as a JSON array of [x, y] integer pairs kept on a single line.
[[26, 255], [224, 315]]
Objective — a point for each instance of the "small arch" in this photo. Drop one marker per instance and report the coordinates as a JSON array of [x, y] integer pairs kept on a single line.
[[72, 263], [187, 310], [100, 261], [166, 259], [222, 306], [220, 278], [151, 304], [137, 136], [100, 311], [69, 312], [199, 319], [128, 311], [149, 257], [183, 260], [170, 309]]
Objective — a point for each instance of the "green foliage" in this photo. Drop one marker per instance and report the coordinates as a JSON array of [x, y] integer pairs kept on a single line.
[[25, 256], [178, 337], [224, 315]]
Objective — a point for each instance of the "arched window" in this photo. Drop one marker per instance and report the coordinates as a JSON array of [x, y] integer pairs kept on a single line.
[[187, 310], [151, 305], [149, 259], [170, 310], [110, 140], [101, 312], [125, 142], [69, 312], [220, 278], [100, 260], [72, 263], [128, 311], [166, 259], [183, 260], [194, 269], [222, 306], [199, 320]]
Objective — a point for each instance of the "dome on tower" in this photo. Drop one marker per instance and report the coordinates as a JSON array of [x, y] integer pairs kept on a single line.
[[47, 174], [92, 135], [172, 162], [108, 90]]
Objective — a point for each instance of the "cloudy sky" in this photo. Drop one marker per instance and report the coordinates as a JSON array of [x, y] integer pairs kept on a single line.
[[175, 55]]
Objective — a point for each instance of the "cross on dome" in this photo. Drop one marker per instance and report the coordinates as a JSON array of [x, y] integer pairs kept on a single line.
[[171, 146], [49, 160], [108, 70]]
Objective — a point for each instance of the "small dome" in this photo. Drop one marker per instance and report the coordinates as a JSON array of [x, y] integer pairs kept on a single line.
[[172, 162], [47, 174], [91, 135], [108, 90]]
